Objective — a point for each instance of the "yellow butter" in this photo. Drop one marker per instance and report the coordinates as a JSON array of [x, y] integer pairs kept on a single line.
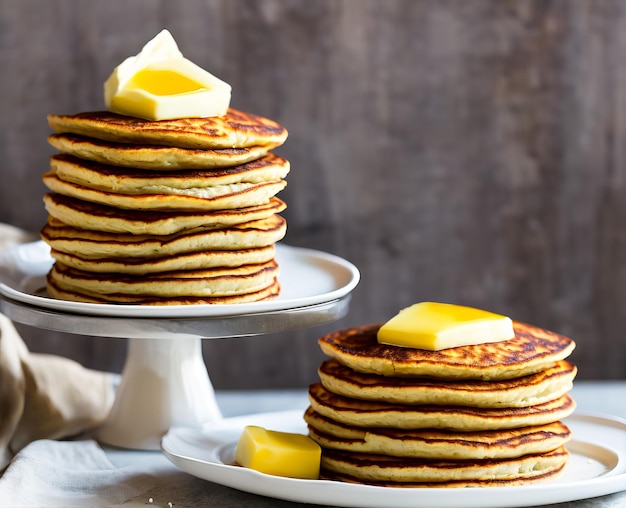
[[278, 453], [435, 326], [159, 83], [164, 82]]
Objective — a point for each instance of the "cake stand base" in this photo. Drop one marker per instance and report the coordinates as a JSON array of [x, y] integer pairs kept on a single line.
[[164, 383]]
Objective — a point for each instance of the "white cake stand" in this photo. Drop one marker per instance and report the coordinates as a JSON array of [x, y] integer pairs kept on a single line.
[[165, 382]]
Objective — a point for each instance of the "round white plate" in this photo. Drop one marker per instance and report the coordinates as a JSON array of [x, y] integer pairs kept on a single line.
[[307, 277], [597, 466]]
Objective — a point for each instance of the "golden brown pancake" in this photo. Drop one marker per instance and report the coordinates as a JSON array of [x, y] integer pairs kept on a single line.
[[81, 214], [529, 390], [533, 349], [374, 414], [219, 197], [406, 472], [189, 261], [189, 283], [267, 293], [93, 175], [99, 245], [437, 444], [234, 130], [153, 157]]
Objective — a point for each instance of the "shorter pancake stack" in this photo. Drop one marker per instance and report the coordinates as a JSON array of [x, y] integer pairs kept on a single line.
[[164, 212], [471, 416]]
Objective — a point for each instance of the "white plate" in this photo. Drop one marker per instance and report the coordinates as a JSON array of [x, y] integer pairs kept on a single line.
[[307, 277], [597, 466]]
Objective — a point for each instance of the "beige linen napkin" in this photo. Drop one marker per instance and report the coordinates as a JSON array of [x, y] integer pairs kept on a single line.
[[44, 396]]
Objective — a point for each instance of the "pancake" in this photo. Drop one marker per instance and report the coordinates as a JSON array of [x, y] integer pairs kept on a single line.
[[194, 283], [531, 350], [270, 168], [218, 197], [374, 414], [553, 474], [236, 129], [409, 472], [190, 261], [266, 293], [91, 216], [437, 444], [529, 390], [153, 157], [98, 245]]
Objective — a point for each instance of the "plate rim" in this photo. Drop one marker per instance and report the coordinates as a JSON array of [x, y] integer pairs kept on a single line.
[[201, 310], [544, 493]]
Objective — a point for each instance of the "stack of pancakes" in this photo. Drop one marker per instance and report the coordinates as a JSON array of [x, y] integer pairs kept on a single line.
[[164, 212], [482, 415]]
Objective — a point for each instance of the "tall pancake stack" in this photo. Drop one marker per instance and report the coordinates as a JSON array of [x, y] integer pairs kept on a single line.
[[482, 415], [164, 212]]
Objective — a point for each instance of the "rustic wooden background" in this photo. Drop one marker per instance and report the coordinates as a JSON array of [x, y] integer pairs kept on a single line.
[[463, 151]]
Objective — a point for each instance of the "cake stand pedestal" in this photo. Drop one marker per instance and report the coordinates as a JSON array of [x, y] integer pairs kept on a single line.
[[165, 382]]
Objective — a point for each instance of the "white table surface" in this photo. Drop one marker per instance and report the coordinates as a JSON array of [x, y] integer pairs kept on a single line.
[[184, 490]]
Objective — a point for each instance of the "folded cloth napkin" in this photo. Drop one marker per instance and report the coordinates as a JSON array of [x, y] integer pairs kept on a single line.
[[69, 473], [43, 396]]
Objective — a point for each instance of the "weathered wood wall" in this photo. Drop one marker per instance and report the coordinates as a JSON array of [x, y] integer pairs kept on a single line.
[[461, 151]]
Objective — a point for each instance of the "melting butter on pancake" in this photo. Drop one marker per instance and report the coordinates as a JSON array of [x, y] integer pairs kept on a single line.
[[533, 349], [270, 168], [525, 391], [437, 444], [91, 216], [99, 245], [372, 468], [153, 157], [364, 413], [236, 129], [381, 470], [218, 197], [267, 293]]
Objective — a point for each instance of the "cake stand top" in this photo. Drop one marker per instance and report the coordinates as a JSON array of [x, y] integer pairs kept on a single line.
[[315, 289]]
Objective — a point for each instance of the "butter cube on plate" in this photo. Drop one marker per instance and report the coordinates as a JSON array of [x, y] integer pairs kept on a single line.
[[278, 453]]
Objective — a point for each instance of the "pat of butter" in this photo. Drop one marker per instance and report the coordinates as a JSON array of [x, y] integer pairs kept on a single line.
[[435, 326], [159, 83], [278, 453]]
